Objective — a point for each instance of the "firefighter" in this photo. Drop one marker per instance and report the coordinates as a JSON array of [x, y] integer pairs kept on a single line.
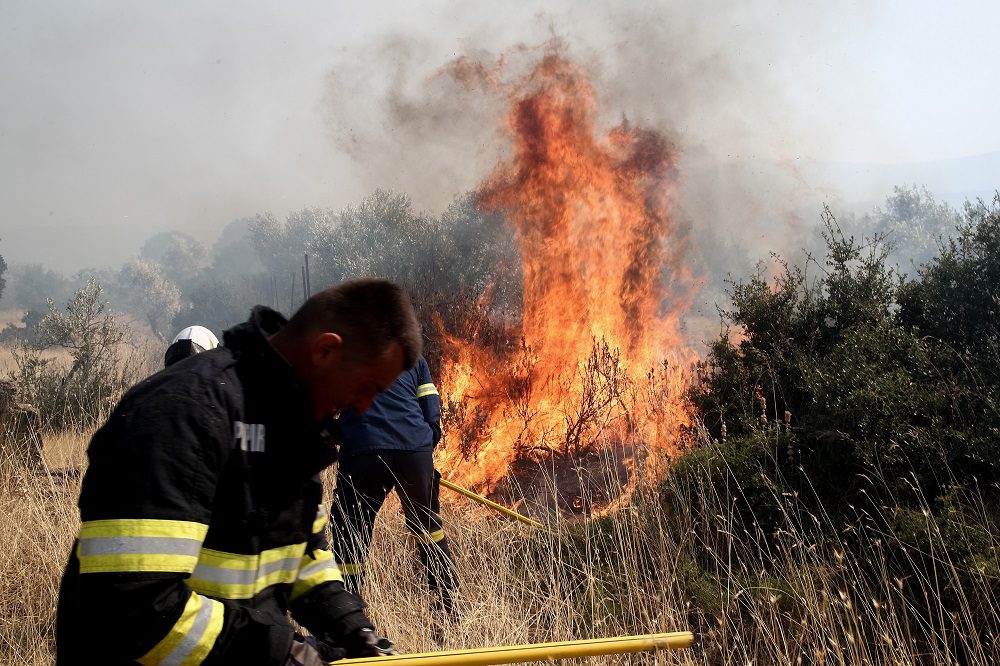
[[201, 508], [190, 341], [388, 447]]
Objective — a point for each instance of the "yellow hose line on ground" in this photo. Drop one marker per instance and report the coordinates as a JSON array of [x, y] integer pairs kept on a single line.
[[516, 654], [490, 503]]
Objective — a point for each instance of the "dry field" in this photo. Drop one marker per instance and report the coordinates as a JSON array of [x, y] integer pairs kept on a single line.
[[626, 574], [800, 598], [8, 364], [38, 522], [6, 361]]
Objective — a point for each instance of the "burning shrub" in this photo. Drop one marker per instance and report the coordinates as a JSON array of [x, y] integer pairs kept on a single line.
[[603, 288], [600, 402]]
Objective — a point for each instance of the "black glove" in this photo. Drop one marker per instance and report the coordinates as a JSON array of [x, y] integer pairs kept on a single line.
[[365, 642], [310, 651]]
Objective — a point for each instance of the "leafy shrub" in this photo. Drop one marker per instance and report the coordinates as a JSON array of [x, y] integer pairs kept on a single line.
[[871, 400], [103, 361]]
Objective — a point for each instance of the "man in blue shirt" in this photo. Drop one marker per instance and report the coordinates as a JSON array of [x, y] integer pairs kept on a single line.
[[389, 446]]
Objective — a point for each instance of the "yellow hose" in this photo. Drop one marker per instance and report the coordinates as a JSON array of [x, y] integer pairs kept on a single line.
[[490, 503], [516, 654]]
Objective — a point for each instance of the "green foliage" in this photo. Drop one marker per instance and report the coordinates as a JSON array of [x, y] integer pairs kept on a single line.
[[380, 237], [33, 284], [178, 255], [103, 361], [25, 332], [842, 352], [219, 303], [453, 265], [913, 224], [281, 246], [957, 298], [781, 330], [85, 329], [142, 290], [871, 399], [743, 468], [222, 293]]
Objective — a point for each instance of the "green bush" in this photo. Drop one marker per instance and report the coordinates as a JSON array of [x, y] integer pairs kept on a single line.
[[845, 394], [907, 370], [104, 361]]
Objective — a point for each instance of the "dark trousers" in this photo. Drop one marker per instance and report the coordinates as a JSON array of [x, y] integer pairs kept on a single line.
[[364, 480]]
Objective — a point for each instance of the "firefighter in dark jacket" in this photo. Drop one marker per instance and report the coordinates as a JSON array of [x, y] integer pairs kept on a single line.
[[391, 446], [201, 509]]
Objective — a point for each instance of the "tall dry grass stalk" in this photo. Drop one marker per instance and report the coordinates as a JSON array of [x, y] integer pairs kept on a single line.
[[38, 522], [6, 361], [803, 597]]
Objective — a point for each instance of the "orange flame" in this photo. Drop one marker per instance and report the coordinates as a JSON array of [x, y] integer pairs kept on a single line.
[[602, 353]]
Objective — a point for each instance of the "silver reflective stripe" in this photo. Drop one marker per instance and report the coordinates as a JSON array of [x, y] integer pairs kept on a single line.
[[287, 564], [227, 576], [193, 636], [224, 576], [316, 567], [138, 545]]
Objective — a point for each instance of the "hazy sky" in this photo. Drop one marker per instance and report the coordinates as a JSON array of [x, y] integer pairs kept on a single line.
[[121, 119]]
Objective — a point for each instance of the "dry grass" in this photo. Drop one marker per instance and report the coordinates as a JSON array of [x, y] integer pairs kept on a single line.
[[38, 522], [806, 596], [8, 364], [622, 574], [803, 598], [517, 585]]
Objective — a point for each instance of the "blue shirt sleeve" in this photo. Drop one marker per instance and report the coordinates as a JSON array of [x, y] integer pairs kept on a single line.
[[429, 398]]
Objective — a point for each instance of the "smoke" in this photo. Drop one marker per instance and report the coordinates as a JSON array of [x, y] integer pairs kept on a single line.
[[125, 119], [433, 127]]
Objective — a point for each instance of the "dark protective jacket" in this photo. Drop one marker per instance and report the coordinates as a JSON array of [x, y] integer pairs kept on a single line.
[[406, 417], [202, 518], [180, 350]]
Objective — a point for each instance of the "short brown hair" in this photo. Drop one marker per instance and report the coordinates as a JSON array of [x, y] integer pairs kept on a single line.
[[369, 314]]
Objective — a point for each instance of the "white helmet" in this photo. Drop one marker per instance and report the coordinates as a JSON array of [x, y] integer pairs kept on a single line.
[[189, 342]]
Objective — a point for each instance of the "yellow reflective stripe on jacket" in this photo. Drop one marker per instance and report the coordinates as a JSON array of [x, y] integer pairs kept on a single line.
[[430, 537], [322, 518], [191, 638], [314, 570], [139, 544], [426, 389], [239, 576]]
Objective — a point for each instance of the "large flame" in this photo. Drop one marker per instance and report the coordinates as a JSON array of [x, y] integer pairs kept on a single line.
[[605, 285]]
